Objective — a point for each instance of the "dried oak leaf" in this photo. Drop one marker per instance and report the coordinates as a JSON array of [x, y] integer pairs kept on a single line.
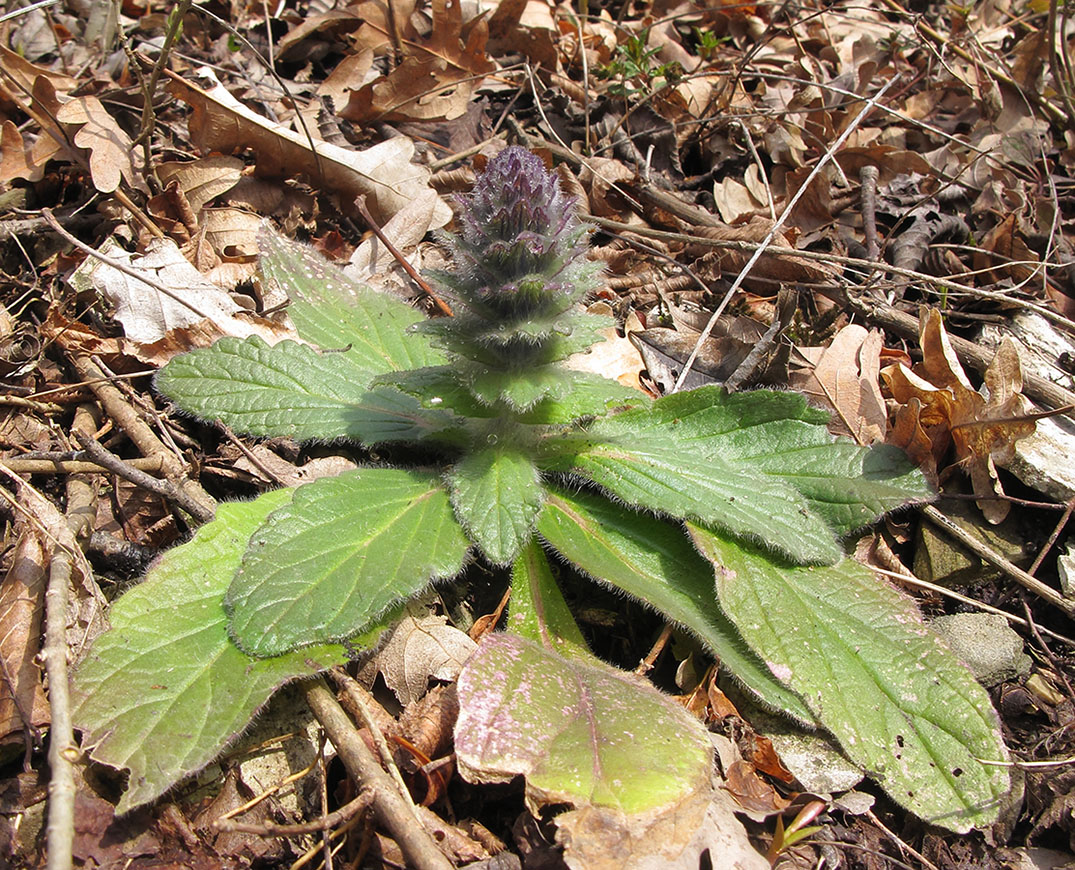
[[1003, 253], [383, 173], [845, 377], [982, 426], [21, 77], [436, 79], [112, 155], [17, 160]]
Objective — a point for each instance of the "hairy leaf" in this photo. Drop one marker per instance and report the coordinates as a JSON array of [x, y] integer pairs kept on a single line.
[[291, 390], [497, 494], [780, 435], [336, 313], [759, 465], [344, 550], [652, 561], [165, 690], [653, 470], [538, 609], [580, 731], [888, 689], [590, 394]]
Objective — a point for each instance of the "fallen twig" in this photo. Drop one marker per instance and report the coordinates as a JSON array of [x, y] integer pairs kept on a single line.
[[20, 465], [164, 488], [137, 429], [988, 554], [389, 806], [325, 823], [420, 282]]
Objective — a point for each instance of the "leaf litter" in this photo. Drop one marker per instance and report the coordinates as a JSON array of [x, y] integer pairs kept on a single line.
[[688, 129]]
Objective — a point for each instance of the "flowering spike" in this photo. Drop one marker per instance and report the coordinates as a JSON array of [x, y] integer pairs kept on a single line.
[[520, 267]]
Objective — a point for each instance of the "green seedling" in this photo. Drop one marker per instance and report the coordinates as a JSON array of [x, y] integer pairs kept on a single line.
[[633, 70], [723, 512]]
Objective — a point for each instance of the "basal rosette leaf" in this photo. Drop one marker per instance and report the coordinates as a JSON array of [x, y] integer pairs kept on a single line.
[[580, 731], [875, 676], [497, 494], [653, 561], [759, 465], [779, 435], [292, 390], [652, 470], [164, 691], [338, 314], [586, 734], [335, 558]]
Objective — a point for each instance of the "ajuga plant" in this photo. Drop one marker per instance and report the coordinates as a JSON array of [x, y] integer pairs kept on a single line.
[[725, 513]]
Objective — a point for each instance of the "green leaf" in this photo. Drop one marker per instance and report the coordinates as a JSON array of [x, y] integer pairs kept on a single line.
[[440, 387], [779, 435], [343, 551], [519, 390], [291, 390], [584, 734], [580, 731], [497, 495], [653, 470], [165, 691], [337, 313], [652, 561], [883, 684], [759, 465]]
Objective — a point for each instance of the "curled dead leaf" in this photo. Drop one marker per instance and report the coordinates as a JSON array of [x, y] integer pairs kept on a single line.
[[982, 426], [383, 173]]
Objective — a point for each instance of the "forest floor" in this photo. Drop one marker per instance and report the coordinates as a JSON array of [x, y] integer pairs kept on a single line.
[[884, 159]]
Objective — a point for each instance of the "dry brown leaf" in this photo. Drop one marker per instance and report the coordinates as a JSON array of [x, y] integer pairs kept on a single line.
[[149, 317], [597, 177], [890, 161], [526, 27], [204, 179], [112, 157], [1003, 253], [845, 376], [616, 357], [383, 173], [25, 76], [233, 232], [771, 269], [436, 79], [284, 473], [22, 604], [405, 230], [421, 649], [602, 838], [734, 200], [19, 161], [982, 427]]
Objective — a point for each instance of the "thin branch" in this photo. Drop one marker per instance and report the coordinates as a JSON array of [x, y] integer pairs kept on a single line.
[[164, 488], [136, 428], [353, 691], [76, 466], [992, 557], [442, 307], [784, 215], [389, 806], [326, 823]]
